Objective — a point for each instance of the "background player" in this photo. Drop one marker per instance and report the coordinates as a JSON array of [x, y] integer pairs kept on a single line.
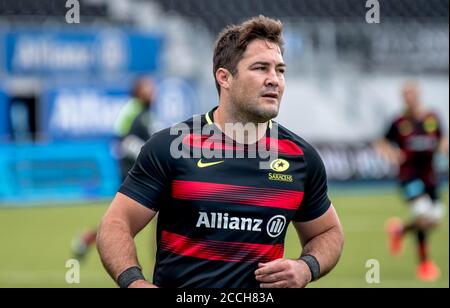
[[411, 143], [132, 128]]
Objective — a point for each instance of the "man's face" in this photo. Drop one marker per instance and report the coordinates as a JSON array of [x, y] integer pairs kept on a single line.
[[258, 86], [145, 91], [411, 96]]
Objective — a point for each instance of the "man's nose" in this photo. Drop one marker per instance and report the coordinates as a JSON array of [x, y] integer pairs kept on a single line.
[[272, 79]]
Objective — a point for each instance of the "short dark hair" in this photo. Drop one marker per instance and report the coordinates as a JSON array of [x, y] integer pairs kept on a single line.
[[233, 41]]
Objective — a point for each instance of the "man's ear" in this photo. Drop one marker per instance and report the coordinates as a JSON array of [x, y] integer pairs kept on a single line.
[[224, 77]]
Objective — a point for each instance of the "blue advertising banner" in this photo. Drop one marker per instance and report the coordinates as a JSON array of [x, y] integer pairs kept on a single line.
[[81, 52], [176, 101], [4, 118], [60, 172], [81, 112], [90, 111]]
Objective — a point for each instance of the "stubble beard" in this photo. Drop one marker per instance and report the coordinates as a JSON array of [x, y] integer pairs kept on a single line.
[[250, 110]]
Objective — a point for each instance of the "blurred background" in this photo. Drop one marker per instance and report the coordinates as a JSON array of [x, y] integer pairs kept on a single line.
[[63, 84]]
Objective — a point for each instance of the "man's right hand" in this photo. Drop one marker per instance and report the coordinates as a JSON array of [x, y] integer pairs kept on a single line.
[[398, 157], [141, 284]]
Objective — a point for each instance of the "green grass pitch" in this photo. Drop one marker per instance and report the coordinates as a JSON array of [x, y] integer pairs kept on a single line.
[[35, 244]]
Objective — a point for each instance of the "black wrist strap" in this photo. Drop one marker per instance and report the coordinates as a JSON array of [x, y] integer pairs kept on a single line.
[[313, 265], [129, 276]]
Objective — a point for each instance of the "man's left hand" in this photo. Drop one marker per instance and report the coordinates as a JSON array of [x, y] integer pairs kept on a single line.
[[283, 273]]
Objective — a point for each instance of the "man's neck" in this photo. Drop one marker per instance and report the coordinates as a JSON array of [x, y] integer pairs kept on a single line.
[[237, 128], [417, 113]]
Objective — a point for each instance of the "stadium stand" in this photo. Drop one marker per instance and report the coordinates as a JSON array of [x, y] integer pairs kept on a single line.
[[216, 14], [28, 11]]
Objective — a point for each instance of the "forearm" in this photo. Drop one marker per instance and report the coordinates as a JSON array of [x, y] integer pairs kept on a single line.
[[116, 247], [443, 146], [327, 248], [385, 150]]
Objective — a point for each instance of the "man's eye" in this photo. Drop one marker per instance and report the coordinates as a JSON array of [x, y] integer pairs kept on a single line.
[[281, 71]]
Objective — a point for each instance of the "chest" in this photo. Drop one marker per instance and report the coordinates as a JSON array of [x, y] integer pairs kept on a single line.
[[239, 194], [418, 136]]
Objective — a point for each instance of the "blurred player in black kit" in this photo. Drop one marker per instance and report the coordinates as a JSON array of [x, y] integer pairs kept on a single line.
[[411, 142]]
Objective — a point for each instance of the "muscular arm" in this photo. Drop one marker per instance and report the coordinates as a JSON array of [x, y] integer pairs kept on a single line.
[[124, 219], [322, 237]]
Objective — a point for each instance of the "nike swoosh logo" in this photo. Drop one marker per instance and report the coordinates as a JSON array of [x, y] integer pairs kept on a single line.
[[201, 164]]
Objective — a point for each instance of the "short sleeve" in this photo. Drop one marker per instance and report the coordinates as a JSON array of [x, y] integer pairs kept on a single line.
[[149, 176], [315, 201]]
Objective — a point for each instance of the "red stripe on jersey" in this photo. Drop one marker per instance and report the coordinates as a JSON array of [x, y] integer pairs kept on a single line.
[[281, 146], [220, 250], [269, 197], [284, 146]]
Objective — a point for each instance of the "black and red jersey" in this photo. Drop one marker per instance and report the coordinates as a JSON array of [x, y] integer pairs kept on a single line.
[[219, 216], [418, 140]]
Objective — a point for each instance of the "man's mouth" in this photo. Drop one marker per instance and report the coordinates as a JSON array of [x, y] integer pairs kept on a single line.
[[270, 95]]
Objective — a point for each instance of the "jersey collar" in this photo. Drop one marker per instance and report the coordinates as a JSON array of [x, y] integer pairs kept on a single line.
[[209, 116]]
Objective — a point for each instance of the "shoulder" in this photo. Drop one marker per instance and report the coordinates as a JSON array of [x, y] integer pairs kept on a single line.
[[126, 117], [431, 115], [399, 119], [131, 109], [306, 149]]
